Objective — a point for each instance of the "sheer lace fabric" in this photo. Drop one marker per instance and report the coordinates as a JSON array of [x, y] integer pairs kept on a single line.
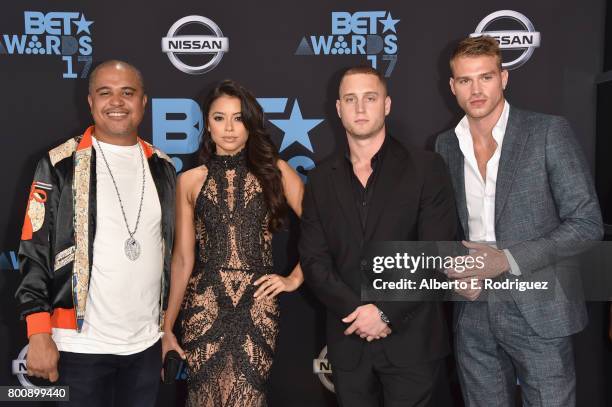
[[229, 337]]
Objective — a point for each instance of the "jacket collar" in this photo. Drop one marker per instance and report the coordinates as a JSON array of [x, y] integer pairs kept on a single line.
[[515, 137], [86, 142]]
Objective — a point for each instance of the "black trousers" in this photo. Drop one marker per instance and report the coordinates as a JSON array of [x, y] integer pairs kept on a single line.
[[378, 382], [111, 380]]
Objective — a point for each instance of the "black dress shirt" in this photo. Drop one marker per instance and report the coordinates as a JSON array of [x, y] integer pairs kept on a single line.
[[363, 195]]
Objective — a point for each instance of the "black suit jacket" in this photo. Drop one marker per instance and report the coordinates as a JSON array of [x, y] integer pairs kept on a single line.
[[413, 200]]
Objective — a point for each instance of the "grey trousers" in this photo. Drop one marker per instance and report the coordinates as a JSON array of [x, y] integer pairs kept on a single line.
[[495, 346]]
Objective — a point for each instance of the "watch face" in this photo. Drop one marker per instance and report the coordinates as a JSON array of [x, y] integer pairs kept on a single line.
[[383, 317]]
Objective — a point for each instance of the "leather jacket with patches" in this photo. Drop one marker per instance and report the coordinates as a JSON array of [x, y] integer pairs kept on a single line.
[[56, 250]]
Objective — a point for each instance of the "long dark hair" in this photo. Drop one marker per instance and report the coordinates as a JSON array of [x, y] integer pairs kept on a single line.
[[261, 153]]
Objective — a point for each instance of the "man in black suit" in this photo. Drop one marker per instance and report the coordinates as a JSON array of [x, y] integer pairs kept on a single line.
[[375, 190]]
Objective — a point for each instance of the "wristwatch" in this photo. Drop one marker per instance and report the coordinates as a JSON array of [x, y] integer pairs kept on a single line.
[[383, 317]]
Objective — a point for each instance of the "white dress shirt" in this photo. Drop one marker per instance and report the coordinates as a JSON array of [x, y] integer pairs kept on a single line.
[[479, 191]]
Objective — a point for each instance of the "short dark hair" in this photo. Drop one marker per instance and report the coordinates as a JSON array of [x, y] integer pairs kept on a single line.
[[104, 64], [364, 69], [475, 47]]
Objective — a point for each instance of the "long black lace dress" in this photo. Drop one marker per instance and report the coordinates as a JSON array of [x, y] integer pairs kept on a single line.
[[228, 335]]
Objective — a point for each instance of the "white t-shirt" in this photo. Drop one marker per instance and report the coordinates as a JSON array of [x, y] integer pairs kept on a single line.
[[122, 310]]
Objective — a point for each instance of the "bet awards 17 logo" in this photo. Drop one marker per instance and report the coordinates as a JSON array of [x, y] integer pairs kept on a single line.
[[65, 34], [372, 34], [520, 42]]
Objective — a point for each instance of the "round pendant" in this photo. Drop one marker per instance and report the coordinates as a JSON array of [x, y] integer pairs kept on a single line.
[[131, 248]]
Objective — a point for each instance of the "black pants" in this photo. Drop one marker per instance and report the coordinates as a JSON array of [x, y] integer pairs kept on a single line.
[[376, 381], [111, 380]]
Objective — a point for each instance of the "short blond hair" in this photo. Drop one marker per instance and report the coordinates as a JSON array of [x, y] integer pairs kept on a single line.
[[483, 45]]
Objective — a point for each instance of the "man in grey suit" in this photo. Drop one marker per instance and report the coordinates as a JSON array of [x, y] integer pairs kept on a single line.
[[525, 199]]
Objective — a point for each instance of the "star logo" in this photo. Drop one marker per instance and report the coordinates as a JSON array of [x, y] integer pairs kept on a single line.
[[389, 23], [296, 128], [83, 25]]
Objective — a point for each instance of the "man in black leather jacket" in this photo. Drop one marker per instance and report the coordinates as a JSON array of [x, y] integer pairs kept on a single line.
[[95, 251]]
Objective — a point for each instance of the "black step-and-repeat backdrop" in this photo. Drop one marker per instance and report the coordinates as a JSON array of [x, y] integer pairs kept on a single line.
[[290, 55]]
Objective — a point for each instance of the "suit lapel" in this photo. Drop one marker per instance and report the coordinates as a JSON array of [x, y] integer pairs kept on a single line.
[[344, 193], [512, 147], [455, 166], [386, 182]]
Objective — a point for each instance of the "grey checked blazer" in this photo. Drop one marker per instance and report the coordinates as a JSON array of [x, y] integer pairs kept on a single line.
[[545, 203]]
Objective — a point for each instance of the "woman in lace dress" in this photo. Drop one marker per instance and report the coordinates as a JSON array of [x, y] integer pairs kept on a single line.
[[222, 274]]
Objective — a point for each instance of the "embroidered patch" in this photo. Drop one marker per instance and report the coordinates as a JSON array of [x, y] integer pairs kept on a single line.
[[64, 257], [35, 212], [80, 190], [62, 151]]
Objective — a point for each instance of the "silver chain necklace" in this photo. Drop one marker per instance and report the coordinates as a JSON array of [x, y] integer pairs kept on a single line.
[[131, 247]]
